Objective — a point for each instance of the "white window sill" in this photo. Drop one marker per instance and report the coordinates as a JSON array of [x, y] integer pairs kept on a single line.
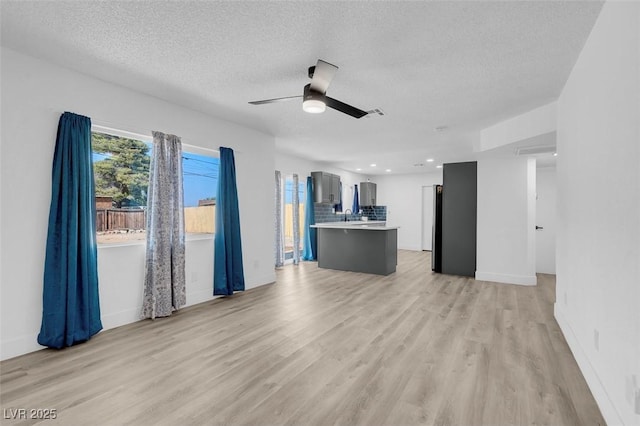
[[198, 237], [188, 237]]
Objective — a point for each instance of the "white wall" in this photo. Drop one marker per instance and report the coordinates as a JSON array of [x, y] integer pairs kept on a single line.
[[598, 245], [402, 194], [506, 221], [427, 217], [34, 95], [291, 164], [546, 217], [529, 126], [120, 286]]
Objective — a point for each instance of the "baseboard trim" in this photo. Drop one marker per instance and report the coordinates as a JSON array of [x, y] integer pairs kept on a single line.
[[200, 296], [28, 343], [263, 280], [410, 248], [607, 409], [118, 319], [506, 278], [19, 346]]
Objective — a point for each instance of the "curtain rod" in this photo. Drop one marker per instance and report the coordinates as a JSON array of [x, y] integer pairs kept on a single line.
[[141, 134]]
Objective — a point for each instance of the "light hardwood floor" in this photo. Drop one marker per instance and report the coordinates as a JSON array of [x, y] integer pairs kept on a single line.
[[323, 347]]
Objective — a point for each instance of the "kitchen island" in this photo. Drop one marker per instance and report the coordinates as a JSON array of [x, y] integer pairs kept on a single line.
[[358, 246]]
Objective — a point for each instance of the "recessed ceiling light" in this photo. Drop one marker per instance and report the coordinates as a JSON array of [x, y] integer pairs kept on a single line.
[[555, 154], [439, 166], [429, 160], [358, 169], [372, 164], [388, 170]]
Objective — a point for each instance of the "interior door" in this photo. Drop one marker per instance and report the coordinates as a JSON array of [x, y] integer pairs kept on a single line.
[[545, 219], [427, 217]]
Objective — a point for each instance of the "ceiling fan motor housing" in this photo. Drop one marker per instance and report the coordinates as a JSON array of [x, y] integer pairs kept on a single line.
[[312, 94], [312, 101]]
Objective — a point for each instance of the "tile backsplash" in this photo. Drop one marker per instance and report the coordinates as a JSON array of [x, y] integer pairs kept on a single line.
[[324, 213], [375, 212]]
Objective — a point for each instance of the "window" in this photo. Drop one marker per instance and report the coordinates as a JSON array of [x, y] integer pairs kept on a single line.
[[121, 171], [200, 181]]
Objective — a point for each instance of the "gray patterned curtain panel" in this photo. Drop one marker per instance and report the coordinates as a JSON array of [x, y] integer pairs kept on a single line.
[[164, 284], [296, 221], [279, 246]]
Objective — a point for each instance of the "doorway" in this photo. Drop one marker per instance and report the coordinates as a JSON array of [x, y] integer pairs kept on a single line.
[[546, 218], [288, 220]]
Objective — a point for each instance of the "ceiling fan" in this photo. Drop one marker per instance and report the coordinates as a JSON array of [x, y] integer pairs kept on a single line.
[[314, 98]]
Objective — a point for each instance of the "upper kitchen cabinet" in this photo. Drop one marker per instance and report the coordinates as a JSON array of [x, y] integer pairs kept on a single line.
[[367, 194], [326, 188]]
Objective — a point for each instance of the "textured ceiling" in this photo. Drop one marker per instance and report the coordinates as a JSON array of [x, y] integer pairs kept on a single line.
[[463, 65]]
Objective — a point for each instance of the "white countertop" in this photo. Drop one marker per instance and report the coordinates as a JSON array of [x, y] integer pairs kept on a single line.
[[370, 225]]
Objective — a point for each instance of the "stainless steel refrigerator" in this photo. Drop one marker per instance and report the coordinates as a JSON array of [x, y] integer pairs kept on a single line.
[[436, 230]]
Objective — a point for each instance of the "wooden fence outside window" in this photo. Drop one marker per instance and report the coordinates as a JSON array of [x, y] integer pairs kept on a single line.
[[120, 219], [197, 219]]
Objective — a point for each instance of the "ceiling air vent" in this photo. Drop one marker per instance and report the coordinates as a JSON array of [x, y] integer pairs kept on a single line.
[[376, 111], [535, 150]]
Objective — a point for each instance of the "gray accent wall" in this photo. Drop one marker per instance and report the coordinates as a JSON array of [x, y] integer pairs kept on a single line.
[[459, 212]]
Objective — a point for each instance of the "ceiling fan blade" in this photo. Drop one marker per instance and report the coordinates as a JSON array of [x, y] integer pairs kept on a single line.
[[270, 101], [342, 107], [322, 76]]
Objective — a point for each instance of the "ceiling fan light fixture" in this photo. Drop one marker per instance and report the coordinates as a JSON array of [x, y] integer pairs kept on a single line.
[[313, 102], [313, 106]]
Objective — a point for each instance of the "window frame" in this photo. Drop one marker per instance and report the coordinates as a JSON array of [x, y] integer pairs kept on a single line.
[[192, 149]]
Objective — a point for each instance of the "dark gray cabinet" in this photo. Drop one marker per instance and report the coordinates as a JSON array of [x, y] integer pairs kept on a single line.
[[326, 188], [459, 211], [367, 194], [358, 250]]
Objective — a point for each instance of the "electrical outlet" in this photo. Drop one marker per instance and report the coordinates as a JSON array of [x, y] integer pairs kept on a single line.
[[256, 264], [194, 277], [596, 340]]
